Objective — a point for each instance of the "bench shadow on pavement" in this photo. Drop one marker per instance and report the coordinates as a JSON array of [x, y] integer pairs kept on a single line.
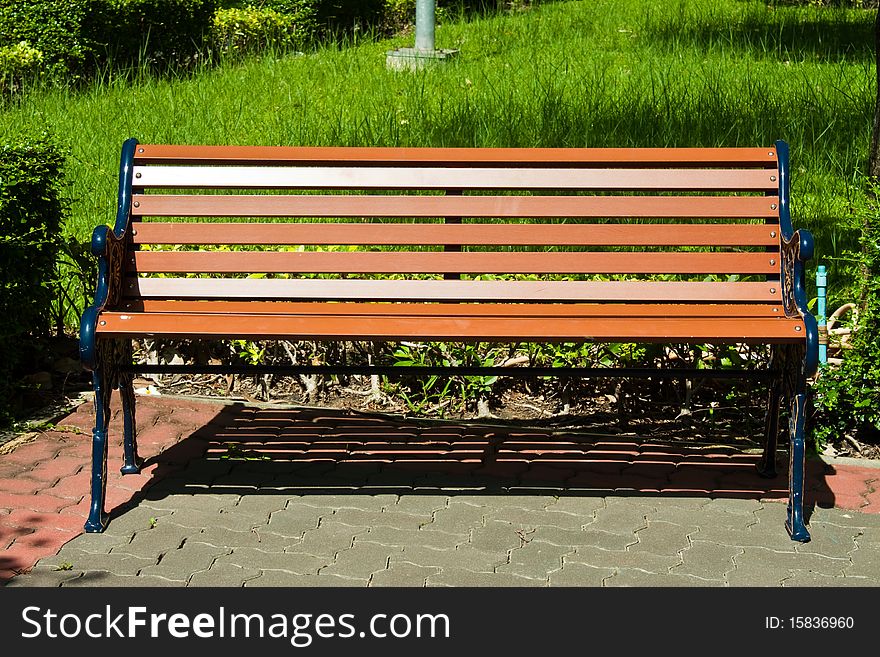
[[306, 451]]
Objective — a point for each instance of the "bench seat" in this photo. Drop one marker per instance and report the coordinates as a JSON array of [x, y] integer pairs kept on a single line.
[[672, 245]]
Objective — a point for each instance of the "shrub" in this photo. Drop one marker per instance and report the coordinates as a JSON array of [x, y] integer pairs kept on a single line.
[[236, 31], [848, 397], [31, 216], [159, 33], [52, 27], [18, 64]]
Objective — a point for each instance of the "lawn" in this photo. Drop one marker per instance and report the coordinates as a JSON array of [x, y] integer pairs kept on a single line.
[[587, 73]]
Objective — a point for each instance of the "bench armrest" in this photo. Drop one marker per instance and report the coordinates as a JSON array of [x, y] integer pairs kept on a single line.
[[110, 251], [109, 247], [796, 251]]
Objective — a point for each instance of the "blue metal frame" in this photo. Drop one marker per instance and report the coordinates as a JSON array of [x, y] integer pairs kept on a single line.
[[101, 245], [801, 241], [106, 357], [798, 361]]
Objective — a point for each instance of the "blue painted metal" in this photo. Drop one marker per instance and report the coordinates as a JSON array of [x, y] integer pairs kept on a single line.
[[794, 522], [800, 244], [105, 357], [821, 310], [799, 362], [101, 241]]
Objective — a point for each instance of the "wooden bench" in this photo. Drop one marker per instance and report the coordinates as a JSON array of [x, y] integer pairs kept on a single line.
[[619, 245]]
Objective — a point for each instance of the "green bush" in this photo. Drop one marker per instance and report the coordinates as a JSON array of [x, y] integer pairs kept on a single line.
[[55, 28], [158, 33], [848, 397], [237, 31], [31, 215], [18, 64]]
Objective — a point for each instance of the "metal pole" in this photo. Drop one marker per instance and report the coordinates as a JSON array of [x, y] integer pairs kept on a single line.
[[821, 285], [425, 24]]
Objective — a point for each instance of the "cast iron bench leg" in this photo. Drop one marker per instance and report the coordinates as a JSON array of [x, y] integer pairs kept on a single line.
[[767, 464], [795, 517], [97, 519], [132, 462]]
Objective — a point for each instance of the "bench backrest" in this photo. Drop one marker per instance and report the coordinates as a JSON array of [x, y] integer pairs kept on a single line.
[[649, 225]]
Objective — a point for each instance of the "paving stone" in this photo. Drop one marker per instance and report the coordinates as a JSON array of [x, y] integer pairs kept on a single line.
[[601, 558], [812, 578], [293, 562], [402, 574], [704, 517], [259, 506], [180, 564], [733, 505], [864, 562], [394, 536], [462, 577], [579, 574], [532, 519], [419, 505], [118, 564], [496, 537], [707, 560], [153, 542], [104, 578], [296, 519], [457, 519], [535, 560], [760, 536], [259, 538], [361, 560], [583, 506], [355, 502], [44, 577], [777, 564], [228, 519], [634, 577], [576, 537], [361, 518], [620, 519], [224, 574], [829, 540], [462, 557], [135, 519], [670, 501], [756, 577], [284, 578], [845, 518], [522, 502], [328, 539], [98, 543], [664, 538], [194, 503]]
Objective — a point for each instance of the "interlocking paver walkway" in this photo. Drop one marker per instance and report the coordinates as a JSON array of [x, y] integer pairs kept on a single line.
[[248, 495]]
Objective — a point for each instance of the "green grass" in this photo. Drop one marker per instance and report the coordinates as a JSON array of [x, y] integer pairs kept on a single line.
[[590, 73]]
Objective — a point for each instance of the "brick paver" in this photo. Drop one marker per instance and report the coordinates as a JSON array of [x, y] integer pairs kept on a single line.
[[350, 500]]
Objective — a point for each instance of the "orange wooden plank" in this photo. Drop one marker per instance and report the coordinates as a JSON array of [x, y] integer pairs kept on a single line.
[[425, 178], [344, 327], [310, 155], [456, 309], [301, 205], [474, 262], [612, 234], [452, 290]]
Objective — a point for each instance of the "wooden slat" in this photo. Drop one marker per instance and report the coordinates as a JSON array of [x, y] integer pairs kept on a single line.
[[655, 207], [453, 328], [392, 290], [474, 262], [744, 235], [456, 309], [754, 180], [310, 155]]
